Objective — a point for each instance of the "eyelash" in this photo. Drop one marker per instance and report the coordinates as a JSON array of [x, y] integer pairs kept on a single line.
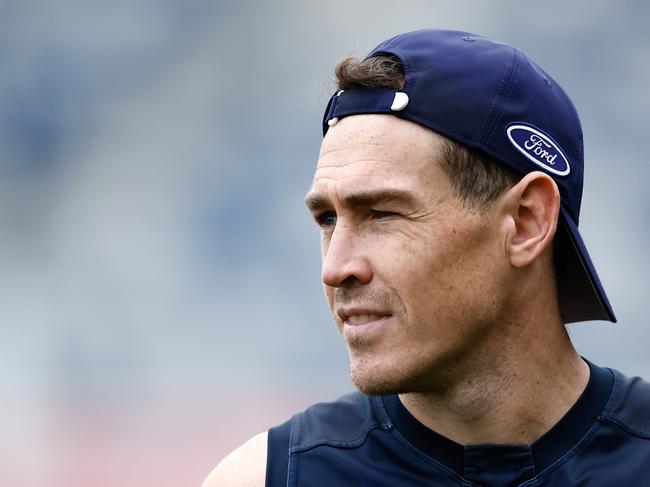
[[324, 217], [382, 214]]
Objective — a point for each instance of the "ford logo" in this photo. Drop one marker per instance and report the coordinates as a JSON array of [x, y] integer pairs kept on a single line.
[[539, 148]]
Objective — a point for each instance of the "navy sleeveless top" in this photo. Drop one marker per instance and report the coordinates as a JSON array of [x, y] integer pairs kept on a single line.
[[361, 440]]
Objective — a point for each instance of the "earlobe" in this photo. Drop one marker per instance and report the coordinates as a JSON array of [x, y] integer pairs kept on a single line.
[[533, 205]]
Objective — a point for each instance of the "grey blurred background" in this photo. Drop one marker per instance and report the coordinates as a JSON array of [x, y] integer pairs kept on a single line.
[[159, 284]]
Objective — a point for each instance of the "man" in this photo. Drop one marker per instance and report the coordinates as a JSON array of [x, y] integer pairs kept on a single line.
[[448, 192]]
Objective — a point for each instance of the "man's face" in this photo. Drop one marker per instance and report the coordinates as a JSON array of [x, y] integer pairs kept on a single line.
[[411, 276]]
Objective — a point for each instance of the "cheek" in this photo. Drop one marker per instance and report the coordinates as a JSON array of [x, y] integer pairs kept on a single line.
[[442, 274], [425, 256]]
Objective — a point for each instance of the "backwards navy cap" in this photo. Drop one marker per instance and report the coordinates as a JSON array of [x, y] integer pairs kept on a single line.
[[491, 97]]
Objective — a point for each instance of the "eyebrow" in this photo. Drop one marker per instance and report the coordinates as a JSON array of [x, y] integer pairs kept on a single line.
[[316, 202]]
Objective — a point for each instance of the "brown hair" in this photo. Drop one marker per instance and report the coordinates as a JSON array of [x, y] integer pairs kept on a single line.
[[477, 178]]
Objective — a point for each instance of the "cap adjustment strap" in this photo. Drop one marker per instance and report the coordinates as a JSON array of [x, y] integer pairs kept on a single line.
[[362, 101]]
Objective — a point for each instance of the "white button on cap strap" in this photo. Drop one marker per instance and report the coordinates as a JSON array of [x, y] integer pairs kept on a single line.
[[400, 101]]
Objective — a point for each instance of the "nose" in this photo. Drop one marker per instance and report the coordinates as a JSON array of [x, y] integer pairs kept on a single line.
[[345, 263]]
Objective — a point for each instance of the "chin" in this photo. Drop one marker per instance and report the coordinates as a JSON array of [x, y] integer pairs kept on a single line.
[[399, 375], [372, 387], [378, 380]]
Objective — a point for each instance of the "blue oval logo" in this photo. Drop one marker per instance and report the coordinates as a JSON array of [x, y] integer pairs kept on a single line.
[[539, 148]]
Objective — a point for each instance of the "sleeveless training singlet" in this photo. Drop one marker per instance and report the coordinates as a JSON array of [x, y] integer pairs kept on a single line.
[[361, 440]]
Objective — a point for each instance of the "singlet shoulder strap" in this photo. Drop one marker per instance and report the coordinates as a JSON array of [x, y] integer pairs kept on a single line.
[[629, 406], [277, 456], [344, 423]]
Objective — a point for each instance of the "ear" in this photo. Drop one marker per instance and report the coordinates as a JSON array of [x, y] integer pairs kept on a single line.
[[532, 206]]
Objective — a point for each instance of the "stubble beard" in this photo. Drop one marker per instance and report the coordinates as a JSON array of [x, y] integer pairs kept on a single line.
[[406, 375], [399, 371], [411, 370], [362, 370], [374, 384]]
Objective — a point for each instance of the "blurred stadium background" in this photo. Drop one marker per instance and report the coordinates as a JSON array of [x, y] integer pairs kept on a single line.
[[160, 294]]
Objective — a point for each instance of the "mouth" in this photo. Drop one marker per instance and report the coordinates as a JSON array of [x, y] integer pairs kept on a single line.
[[361, 323]]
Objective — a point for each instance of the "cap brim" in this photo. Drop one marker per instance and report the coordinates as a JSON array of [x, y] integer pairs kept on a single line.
[[581, 295]]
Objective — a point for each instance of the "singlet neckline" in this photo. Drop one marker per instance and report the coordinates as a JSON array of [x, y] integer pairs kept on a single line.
[[540, 454]]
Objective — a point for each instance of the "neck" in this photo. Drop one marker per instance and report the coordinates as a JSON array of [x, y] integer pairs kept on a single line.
[[534, 376]]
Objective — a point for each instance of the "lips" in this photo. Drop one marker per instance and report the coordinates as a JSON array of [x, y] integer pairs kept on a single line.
[[361, 323], [360, 319], [356, 317]]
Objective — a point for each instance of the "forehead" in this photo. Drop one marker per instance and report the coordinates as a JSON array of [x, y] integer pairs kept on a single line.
[[371, 150]]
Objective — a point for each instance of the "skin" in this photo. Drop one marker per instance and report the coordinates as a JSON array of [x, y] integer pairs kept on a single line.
[[244, 467], [452, 308], [424, 262]]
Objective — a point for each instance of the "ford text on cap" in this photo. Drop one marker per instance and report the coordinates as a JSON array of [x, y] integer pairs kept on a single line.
[[491, 97]]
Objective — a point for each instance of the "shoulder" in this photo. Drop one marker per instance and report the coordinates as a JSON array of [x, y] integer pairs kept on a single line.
[[341, 422], [629, 405], [349, 408], [244, 467]]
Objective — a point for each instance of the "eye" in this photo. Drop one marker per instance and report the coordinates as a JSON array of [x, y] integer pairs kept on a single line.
[[379, 214], [326, 219]]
